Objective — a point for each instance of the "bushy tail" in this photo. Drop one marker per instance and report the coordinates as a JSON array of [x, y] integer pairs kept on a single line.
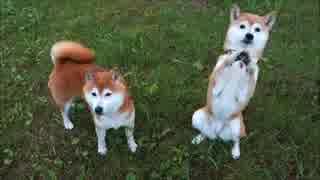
[[63, 51]]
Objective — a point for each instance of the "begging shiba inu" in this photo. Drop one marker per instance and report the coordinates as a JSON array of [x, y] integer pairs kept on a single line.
[[233, 80], [75, 75]]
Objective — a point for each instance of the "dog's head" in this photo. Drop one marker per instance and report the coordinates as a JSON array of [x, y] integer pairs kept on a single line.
[[104, 91], [248, 31]]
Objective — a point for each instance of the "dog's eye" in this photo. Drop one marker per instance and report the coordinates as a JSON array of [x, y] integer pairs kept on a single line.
[[242, 26], [257, 29], [94, 94], [108, 94]]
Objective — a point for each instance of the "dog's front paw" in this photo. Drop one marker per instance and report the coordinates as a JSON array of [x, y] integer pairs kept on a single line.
[[133, 146], [102, 151], [68, 125], [244, 57], [235, 153]]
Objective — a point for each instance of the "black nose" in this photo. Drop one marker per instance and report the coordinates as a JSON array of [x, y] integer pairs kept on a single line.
[[249, 36], [98, 110]]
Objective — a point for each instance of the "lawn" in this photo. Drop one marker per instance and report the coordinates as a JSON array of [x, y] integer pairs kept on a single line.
[[166, 50]]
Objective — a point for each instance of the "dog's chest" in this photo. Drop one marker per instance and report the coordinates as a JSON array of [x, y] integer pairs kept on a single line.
[[114, 121], [228, 91]]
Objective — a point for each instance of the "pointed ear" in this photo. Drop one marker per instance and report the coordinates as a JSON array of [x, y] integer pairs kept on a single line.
[[234, 12], [88, 76], [115, 75], [270, 19]]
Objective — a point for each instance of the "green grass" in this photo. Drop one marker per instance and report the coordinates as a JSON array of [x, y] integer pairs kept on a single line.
[[166, 49]]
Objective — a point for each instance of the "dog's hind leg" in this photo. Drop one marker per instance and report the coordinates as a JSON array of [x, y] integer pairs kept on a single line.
[[235, 126], [65, 115], [200, 122]]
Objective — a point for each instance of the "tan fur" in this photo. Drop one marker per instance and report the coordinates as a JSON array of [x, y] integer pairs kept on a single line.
[[243, 132], [63, 83], [211, 84], [252, 18], [71, 51]]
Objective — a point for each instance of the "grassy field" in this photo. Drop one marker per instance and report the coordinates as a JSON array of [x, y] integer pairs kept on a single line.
[[166, 50]]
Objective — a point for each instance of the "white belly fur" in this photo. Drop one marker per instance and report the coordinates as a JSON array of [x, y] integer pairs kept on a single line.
[[230, 91], [233, 87]]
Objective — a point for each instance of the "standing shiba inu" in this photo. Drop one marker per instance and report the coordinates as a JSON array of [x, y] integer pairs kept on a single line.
[[74, 74], [233, 80]]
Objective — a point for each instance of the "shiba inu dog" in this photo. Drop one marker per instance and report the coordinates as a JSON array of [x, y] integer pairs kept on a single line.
[[233, 80], [75, 74]]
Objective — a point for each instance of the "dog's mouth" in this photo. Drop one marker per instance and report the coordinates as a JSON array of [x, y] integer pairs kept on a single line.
[[247, 41], [99, 114]]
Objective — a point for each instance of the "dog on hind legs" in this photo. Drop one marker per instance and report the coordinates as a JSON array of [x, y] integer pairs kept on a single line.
[[233, 80], [75, 75], [231, 85]]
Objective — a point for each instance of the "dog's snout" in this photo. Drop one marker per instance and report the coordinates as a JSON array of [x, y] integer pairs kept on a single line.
[[249, 36], [98, 110]]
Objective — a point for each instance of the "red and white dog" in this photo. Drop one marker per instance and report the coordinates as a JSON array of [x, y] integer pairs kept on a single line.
[[233, 80], [75, 74]]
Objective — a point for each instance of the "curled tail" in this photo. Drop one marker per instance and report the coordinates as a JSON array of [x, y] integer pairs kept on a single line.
[[63, 51]]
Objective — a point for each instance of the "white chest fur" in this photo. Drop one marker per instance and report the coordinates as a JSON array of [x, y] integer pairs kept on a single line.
[[115, 120], [231, 90]]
